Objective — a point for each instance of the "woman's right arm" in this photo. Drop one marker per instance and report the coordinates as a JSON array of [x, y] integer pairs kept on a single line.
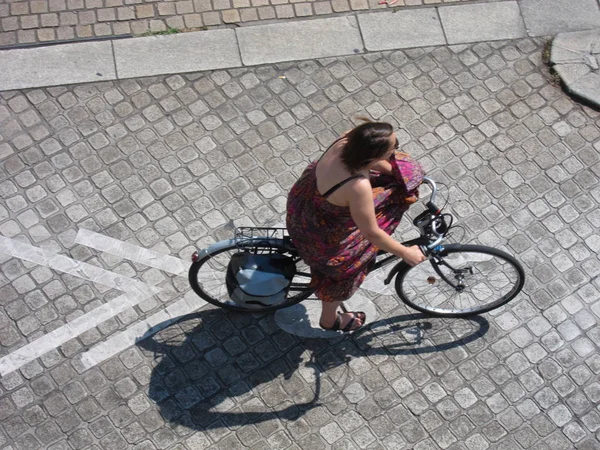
[[362, 211]]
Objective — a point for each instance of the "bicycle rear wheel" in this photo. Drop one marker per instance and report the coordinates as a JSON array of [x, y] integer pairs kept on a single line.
[[461, 281], [207, 275]]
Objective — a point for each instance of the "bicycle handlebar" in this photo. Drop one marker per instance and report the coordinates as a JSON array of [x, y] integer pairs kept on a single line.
[[430, 204], [433, 209]]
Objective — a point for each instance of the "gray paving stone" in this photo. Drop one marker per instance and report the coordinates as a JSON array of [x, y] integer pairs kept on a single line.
[[156, 55], [401, 29], [545, 18], [299, 40], [524, 376], [68, 63], [484, 22]]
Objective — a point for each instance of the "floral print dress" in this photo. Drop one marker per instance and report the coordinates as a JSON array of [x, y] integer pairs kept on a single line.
[[326, 236]]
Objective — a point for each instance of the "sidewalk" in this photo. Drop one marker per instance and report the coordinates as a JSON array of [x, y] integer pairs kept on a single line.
[[43, 21], [291, 41]]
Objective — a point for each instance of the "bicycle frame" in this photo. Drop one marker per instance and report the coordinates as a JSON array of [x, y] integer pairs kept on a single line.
[[420, 241], [430, 238]]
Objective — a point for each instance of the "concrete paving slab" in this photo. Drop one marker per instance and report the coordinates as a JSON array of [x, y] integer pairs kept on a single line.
[[301, 40], [587, 88], [564, 55], [56, 65], [570, 73], [402, 29], [549, 17], [482, 22], [574, 57], [574, 47], [180, 53]]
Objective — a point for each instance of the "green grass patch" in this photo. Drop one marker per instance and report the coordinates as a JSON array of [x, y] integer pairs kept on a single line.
[[162, 32]]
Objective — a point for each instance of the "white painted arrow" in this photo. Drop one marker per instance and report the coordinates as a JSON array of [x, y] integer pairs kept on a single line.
[[135, 293], [160, 261]]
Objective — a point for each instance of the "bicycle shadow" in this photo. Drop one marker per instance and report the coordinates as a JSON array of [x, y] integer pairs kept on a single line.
[[196, 385]]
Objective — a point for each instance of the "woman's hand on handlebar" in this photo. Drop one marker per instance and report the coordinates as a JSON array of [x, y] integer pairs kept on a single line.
[[413, 255]]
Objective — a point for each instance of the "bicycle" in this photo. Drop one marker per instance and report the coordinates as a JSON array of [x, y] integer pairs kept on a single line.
[[456, 280]]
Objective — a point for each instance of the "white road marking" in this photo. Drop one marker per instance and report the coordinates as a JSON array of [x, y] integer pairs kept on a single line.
[[161, 261], [136, 292], [74, 328], [134, 333], [78, 269]]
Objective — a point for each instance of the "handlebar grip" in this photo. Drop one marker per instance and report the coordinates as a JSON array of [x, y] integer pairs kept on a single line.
[[432, 208]]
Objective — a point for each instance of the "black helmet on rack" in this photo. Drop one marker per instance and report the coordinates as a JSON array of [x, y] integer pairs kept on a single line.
[[259, 280]]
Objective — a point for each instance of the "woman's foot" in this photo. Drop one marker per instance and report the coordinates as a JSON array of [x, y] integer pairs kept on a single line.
[[345, 322]]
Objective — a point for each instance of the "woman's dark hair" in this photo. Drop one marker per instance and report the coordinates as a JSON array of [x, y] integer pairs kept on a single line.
[[366, 143]]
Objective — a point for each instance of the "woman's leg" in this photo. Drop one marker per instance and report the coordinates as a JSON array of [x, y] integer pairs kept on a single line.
[[329, 315]]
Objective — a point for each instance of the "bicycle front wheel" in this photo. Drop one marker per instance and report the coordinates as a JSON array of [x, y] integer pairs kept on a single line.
[[207, 276], [461, 281]]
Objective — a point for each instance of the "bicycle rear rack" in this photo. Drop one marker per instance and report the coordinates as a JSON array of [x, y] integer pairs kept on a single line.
[[247, 237], [243, 233]]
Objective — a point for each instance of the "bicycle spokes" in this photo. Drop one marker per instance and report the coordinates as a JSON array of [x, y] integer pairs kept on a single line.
[[465, 280]]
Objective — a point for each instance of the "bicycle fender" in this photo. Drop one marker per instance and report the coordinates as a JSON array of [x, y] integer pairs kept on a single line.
[[215, 247], [397, 268]]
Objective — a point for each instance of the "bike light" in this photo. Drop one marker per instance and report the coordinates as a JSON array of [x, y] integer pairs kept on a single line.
[[194, 256]]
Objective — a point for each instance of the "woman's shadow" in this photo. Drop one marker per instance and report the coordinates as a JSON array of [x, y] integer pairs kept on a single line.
[[218, 369]]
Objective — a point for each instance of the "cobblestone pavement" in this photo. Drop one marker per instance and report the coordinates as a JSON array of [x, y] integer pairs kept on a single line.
[[40, 21], [167, 162]]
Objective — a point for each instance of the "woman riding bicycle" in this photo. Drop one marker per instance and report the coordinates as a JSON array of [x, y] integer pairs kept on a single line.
[[343, 209]]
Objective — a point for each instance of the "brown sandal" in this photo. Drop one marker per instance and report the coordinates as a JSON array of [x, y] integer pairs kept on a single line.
[[338, 322]]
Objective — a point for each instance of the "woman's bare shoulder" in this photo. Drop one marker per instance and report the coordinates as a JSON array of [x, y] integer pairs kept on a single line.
[[360, 184]]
